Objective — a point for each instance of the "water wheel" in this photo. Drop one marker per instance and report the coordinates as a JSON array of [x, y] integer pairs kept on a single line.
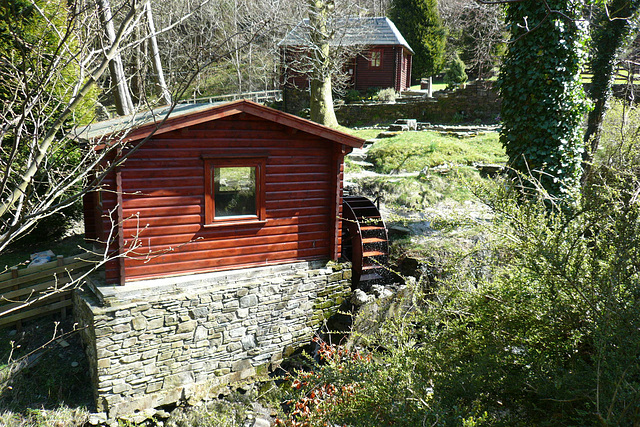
[[364, 241]]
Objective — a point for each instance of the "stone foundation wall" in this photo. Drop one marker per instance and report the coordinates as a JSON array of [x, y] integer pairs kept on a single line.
[[157, 342]]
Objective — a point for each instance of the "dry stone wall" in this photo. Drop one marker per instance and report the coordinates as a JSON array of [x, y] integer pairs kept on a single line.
[[160, 341], [477, 102]]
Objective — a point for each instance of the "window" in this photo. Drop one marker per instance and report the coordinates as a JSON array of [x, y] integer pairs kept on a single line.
[[375, 58], [234, 190]]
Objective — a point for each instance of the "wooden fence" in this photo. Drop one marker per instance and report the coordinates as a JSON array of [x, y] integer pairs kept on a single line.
[[38, 291], [262, 96]]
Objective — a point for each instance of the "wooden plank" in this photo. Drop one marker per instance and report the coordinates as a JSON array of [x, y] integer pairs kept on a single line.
[[162, 182], [164, 202], [145, 193], [288, 226], [233, 240], [336, 202], [197, 228], [36, 312], [17, 306], [228, 262], [141, 222], [8, 297], [226, 252], [120, 231], [178, 173], [283, 186], [28, 275], [178, 150], [162, 211]]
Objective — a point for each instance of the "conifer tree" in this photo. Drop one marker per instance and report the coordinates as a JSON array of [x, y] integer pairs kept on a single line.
[[420, 24]]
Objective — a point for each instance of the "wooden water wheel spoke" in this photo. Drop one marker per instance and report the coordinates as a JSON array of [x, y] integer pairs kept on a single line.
[[365, 241]]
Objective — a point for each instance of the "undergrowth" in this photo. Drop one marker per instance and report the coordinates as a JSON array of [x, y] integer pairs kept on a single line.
[[546, 335]]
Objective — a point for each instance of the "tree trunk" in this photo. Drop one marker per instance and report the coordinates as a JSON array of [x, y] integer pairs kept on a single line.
[[610, 36], [155, 56], [321, 104], [122, 97], [321, 110]]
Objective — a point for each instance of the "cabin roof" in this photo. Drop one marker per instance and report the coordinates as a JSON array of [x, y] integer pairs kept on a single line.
[[158, 121], [352, 31]]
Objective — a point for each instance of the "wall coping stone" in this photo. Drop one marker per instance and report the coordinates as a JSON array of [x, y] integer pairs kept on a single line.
[[139, 290]]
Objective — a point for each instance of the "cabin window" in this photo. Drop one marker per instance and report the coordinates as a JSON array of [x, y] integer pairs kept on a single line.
[[375, 58], [234, 190]]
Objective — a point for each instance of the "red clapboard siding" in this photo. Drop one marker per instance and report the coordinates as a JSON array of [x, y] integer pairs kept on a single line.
[[382, 77], [163, 200]]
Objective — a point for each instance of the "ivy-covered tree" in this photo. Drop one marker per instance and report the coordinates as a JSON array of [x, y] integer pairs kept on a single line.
[[611, 30], [543, 102], [420, 24]]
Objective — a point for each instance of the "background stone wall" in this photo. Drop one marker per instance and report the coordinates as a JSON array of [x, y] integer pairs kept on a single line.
[[478, 102], [156, 342]]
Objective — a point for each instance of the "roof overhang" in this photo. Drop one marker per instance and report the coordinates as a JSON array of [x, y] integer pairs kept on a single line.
[[135, 128]]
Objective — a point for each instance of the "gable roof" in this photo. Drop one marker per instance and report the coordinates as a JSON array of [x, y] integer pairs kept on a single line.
[[139, 126], [352, 31]]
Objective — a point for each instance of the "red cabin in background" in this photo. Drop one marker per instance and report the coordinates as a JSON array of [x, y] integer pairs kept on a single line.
[[220, 187], [384, 60]]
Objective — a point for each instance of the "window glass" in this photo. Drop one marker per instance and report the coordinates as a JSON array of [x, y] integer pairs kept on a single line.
[[376, 58], [234, 191]]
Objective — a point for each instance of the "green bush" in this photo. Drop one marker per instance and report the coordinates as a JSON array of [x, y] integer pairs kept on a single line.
[[352, 96], [547, 335], [455, 75], [372, 92]]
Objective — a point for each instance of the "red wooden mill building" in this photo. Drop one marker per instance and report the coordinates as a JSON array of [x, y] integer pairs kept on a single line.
[[384, 57], [219, 187]]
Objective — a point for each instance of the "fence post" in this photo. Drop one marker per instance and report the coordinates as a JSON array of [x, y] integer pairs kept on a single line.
[[60, 263], [14, 275]]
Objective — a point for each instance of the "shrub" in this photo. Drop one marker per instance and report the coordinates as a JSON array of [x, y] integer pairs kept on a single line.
[[372, 92], [386, 95], [547, 336], [352, 96], [455, 75]]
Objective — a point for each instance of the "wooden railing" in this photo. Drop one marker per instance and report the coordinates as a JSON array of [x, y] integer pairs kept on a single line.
[[261, 96], [38, 291]]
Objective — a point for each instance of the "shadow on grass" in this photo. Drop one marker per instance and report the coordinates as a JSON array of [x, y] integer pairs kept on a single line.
[[44, 375]]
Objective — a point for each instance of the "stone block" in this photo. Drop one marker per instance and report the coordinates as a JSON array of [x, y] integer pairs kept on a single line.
[[186, 326], [199, 312], [129, 342], [248, 301], [130, 358], [120, 388], [139, 323], [248, 342], [179, 379], [237, 332], [104, 363], [234, 346], [149, 354], [241, 365], [153, 387]]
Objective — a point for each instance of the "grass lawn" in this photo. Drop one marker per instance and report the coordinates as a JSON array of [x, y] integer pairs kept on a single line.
[[412, 151]]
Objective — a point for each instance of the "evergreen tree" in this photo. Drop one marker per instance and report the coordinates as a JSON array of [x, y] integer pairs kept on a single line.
[[455, 76], [420, 24]]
